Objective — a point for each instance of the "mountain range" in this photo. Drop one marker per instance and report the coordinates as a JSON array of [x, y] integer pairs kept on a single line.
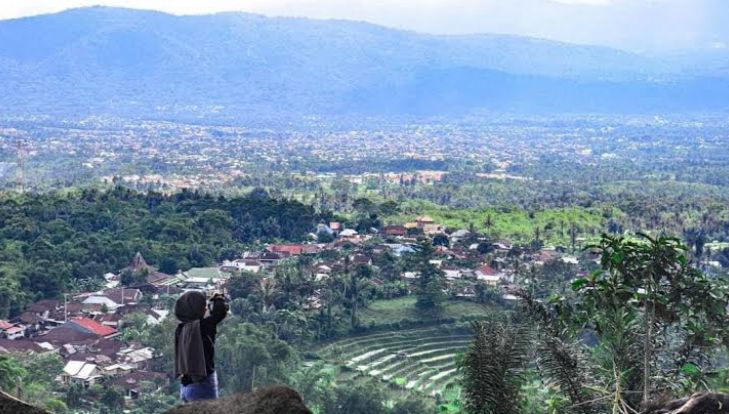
[[136, 63]]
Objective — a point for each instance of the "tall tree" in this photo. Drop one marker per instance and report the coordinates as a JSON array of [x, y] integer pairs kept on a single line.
[[431, 280]]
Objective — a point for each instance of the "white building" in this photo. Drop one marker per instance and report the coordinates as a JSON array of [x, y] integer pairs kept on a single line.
[[101, 301], [80, 372]]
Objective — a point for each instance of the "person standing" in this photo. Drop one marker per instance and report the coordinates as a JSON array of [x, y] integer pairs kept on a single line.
[[195, 344]]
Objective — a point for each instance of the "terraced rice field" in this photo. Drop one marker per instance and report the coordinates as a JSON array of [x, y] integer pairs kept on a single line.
[[421, 360]]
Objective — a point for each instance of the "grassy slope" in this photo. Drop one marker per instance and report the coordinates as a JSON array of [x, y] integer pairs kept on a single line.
[[395, 310], [513, 224]]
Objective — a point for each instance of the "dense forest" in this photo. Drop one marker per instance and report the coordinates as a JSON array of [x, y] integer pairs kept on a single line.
[[63, 242]]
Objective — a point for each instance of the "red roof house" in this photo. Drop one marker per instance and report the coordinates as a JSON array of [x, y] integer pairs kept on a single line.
[[396, 230], [290, 249], [91, 326], [487, 270]]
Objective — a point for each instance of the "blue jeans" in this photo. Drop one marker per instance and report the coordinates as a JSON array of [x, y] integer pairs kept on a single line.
[[206, 389]]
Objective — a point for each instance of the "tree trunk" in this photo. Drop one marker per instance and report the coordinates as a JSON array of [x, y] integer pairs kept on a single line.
[[253, 377], [647, 346], [354, 313], [699, 403]]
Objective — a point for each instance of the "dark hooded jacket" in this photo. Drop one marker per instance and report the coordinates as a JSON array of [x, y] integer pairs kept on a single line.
[[195, 336]]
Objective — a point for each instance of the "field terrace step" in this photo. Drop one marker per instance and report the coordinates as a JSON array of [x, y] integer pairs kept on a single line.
[[401, 364], [365, 356], [436, 361], [444, 367], [441, 342], [386, 334], [416, 380], [401, 371], [432, 381], [387, 368], [441, 382], [411, 350], [432, 347], [391, 339], [412, 333], [399, 345], [407, 371], [367, 367], [412, 347], [393, 370], [438, 358], [440, 386], [403, 368], [424, 358]]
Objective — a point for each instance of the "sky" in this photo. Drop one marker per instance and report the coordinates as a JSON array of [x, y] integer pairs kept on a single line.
[[638, 25]]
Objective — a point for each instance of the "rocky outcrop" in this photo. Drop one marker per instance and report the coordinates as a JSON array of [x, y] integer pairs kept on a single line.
[[271, 400], [12, 405], [699, 403]]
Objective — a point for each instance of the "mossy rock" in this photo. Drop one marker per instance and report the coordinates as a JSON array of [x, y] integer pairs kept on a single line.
[[271, 400], [12, 405]]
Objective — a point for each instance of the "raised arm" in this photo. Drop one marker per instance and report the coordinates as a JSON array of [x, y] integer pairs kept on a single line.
[[219, 310]]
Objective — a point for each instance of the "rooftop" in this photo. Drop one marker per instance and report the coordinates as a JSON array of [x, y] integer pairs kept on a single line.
[[93, 326]]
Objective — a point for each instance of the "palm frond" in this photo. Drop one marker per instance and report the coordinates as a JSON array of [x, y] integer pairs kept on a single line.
[[493, 367]]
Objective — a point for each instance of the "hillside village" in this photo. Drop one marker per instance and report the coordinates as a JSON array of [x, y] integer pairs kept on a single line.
[[85, 329]]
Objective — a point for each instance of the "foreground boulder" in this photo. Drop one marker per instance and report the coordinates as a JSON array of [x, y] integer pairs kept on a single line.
[[271, 400], [12, 405], [699, 403]]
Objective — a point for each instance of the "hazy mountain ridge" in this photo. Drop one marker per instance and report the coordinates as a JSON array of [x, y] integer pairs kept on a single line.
[[130, 62]]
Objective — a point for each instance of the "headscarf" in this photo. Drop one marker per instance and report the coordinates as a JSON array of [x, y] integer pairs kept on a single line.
[[189, 352]]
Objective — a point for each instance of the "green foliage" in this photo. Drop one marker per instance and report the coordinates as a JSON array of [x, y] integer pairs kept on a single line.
[[250, 356], [243, 284], [324, 237], [56, 406], [431, 280], [511, 223], [682, 310], [560, 358], [74, 395], [544, 398], [365, 397], [55, 242], [315, 383], [134, 278], [11, 373], [132, 325], [413, 405], [112, 399], [394, 311], [42, 368], [154, 403], [651, 320], [356, 286], [493, 368]]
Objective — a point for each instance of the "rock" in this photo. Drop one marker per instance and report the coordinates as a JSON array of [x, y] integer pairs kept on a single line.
[[271, 400], [699, 403], [12, 405]]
